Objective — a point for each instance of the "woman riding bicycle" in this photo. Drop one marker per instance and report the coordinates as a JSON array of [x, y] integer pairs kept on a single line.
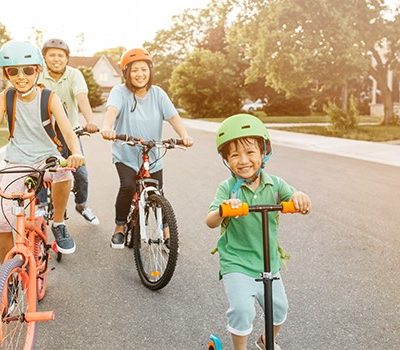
[[136, 108]]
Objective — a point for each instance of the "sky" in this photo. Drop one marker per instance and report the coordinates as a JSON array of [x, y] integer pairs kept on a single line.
[[125, 23]]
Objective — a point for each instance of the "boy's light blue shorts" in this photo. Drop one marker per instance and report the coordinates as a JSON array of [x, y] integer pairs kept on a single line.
[[242, 291]]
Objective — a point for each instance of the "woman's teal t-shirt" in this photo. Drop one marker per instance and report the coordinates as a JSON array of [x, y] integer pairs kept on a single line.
[[146, 121]]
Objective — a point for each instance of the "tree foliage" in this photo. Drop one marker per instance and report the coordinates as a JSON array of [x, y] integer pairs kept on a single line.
[[114, 53], [205, 86], [323, 42], [4, 35], [95, 93]]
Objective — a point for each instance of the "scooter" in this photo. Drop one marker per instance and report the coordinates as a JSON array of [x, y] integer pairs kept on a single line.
[[225, 210]]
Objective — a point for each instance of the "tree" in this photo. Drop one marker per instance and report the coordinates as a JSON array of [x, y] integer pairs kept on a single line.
[[323, 42], [95, 93], [4, 35], [205, 86], [193, 28], [114, 53]]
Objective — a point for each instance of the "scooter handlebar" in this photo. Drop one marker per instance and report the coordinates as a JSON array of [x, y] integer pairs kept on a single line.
[[225, 209]]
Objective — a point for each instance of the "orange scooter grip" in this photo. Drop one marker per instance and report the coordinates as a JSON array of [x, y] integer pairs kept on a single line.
[[225, 210], [288, 207]]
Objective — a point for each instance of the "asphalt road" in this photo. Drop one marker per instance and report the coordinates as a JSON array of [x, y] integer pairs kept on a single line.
[[343, 280]]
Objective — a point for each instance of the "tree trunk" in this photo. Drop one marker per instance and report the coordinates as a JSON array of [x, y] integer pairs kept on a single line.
[[388, 107], [345, 97]]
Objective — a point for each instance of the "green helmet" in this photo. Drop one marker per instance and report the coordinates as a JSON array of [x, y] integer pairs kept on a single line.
[[20, 53], [240, 125]]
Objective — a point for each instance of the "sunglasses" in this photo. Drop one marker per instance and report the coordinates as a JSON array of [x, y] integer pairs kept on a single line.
[[26, 70]]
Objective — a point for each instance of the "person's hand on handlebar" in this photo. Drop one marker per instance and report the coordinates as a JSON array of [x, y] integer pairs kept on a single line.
[[75, 160], [187, 141], [108, 134], [91, 128], [302, 202]]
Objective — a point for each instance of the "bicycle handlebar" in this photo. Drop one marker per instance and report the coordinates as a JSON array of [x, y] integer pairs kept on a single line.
[[170, 143], [50, 162], [225, 210], [79, 131]]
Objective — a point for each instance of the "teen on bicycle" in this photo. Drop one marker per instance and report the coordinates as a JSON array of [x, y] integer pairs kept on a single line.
[[70, 86], [30, 144], [136, 108], [244, 144]]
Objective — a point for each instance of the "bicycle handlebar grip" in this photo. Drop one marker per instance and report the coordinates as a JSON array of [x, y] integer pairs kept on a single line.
[[288, 207], [121, 137], [225, 210]]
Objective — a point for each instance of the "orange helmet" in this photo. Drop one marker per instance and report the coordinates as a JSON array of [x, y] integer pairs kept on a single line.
[[134, 55]]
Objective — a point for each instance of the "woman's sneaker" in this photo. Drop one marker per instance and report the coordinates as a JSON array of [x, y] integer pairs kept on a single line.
[[65, 243], [118, 240], [87, 214]]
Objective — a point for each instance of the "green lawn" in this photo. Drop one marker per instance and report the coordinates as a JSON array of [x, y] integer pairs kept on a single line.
[[377, 133]]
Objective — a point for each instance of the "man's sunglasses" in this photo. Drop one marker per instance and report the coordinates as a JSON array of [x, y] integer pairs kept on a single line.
[[26, 70]]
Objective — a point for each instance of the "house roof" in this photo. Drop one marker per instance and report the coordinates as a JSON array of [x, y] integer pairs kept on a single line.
[[76, 61]]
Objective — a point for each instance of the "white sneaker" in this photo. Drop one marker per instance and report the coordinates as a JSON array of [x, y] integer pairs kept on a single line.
[[88, 215], [40, 211]]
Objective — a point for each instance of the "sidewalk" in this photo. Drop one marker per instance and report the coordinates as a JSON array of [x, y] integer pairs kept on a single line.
[[378, 152]]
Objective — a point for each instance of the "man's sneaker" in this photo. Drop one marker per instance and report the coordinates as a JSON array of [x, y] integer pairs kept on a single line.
[[65, 243], [88, 215], [118, 240], [261, 345], [40, 211]]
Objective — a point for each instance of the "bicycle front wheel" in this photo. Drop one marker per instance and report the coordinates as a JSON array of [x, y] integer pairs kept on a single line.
[[15, 332], [41, 258], [156, 249]]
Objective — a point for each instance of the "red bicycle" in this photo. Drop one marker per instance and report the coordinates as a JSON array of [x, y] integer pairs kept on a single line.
[[152, 230], [24, 271]]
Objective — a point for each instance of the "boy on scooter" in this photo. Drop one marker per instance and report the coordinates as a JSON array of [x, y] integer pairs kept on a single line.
[[244, 144]]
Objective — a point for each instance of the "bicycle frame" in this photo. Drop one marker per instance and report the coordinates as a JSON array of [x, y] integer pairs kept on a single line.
[[26, 230]]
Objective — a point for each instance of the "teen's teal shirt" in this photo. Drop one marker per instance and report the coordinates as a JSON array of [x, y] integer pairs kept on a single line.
[[146, 121], [240, 246]]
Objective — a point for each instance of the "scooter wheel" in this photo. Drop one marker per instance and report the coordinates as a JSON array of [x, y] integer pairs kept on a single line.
[[214, 343]]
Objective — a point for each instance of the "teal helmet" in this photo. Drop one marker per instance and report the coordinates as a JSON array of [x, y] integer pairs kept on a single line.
[[20, 53], [238, 126]]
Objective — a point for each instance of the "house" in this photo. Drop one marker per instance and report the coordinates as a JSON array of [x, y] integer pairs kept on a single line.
[[105, 71]]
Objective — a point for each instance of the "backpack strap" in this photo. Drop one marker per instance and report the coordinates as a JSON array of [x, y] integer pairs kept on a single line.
[[10, 102], [48, 121]]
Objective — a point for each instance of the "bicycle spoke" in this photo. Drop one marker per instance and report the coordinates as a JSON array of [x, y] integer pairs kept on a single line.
[[155, 262]]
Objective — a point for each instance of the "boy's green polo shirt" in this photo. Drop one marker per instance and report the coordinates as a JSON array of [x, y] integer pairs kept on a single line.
[[240, 246], [67, 88]]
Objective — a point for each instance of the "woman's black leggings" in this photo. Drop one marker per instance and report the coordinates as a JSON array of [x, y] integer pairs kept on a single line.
[[127, 187]]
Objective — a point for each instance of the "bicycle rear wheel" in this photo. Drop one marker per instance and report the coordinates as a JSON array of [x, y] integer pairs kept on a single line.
[[155, 260], [15, 332]]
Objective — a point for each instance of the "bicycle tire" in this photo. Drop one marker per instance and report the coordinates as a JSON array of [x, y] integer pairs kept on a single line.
[[41, 257], [154, 262], [15, 332], [130, 226]]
